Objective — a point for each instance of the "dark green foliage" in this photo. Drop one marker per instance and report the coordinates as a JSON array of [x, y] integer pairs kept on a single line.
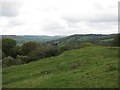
[[28, 47], [37, 54], [8, 44], [43, 52], [116, 40], [15, 51], [52, 51], [3, 55]]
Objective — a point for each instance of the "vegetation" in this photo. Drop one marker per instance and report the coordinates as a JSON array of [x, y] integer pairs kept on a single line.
[[97, 39], [73, 61], [90, 67], [35, 51], [8, 45], [28, 47], [29, 51], [116, 41]]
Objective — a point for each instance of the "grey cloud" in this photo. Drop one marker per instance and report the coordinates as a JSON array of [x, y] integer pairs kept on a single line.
[[102, 26], [104, 18], [96, 18], [54, 26], [72, 19], [10, 9]]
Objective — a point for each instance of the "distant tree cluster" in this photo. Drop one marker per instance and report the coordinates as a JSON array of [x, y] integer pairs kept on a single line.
[[12, 54]]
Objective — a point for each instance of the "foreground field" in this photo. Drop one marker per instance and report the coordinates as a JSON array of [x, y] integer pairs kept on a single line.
[[81, 68]]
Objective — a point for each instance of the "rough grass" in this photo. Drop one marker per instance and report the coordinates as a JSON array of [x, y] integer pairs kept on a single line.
[[90, 67]]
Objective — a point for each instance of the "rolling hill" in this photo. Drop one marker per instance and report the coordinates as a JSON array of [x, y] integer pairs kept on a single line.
[[89, 67], [77, 39], [72, 39], [20, 39]]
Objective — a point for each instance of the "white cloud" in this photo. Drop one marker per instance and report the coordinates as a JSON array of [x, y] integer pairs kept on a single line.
[[58, 17]]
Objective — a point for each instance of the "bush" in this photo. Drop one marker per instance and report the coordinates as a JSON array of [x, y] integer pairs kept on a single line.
[[8, 61], [43, 52], [38, 53], [52, 51], [86, 44], [67, 47], [20, 59]]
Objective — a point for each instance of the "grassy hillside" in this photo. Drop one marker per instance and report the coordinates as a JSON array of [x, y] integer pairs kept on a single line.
[[86, 67]]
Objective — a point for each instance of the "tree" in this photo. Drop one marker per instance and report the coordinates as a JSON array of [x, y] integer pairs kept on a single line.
[[7, 44], [28, 47], [15, 51]]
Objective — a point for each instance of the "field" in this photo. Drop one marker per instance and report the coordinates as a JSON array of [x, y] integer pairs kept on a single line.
[[89, 67]]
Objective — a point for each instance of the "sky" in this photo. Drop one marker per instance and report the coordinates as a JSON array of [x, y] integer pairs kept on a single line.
[[58, 17]]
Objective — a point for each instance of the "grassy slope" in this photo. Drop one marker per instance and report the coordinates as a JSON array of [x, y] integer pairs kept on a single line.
[[86, 67]]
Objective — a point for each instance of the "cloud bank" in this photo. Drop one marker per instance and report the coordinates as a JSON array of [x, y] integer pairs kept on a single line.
[[58, 17]]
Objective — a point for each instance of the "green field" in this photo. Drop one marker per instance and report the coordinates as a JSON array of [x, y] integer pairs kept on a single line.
[[90, 67]]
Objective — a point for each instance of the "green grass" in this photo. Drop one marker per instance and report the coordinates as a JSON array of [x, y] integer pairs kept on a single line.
[[90, 67]]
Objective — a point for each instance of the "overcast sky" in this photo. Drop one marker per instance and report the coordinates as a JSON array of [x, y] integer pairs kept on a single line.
[[58, 17]]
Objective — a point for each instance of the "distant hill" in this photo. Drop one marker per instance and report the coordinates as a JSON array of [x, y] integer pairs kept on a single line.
[[90, 67], [76, 39], [80, 38], [25, 38]]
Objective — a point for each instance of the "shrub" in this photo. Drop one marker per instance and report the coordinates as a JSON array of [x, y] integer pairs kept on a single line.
[[20, 59], [52, 51], [43, 52], [37, 54], [67, 47], [8, 61], [86, 44]]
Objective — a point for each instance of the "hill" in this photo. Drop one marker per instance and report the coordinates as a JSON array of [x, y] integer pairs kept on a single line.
[[77, 39], [90, 67], [25, 38]]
